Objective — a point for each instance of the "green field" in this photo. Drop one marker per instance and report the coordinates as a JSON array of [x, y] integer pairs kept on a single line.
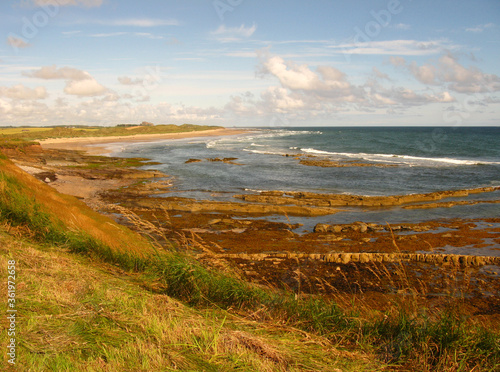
[[22, 130], [40, 133]]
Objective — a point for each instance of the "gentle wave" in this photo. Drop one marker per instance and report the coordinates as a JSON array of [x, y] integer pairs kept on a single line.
[[265, 152], [411, 160], [255, 137]]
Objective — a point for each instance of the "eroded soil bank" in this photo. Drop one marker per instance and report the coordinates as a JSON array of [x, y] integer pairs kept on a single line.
[[373, 262]]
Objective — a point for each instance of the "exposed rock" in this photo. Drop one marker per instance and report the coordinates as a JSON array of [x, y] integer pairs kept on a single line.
[[46, 177], [214, 221], [345, 258], [336, 200], [321, 228], [363, 228], [192, 205]]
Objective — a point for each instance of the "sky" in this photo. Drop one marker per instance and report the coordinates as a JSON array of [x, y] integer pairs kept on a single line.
[[250, 62]]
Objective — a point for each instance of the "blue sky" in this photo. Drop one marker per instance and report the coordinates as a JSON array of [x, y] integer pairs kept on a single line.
[[250, 63]]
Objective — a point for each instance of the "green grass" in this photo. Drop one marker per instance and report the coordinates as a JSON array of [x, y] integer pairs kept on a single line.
[[106, 162], [15, 143], [91, 322], [69, 132], [77, 314], [21, 130]]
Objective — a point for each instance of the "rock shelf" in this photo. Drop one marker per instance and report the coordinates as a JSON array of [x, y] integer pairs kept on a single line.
[[345, 258], [342, 200]]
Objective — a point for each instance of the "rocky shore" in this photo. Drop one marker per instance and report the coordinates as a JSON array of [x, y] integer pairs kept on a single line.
[[342, 200], [332, 259]]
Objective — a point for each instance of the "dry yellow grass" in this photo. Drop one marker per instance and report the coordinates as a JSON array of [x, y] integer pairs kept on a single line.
[[77, 215]]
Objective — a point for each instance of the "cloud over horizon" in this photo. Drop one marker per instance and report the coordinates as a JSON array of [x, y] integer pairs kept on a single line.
[[448, 71], [78, 82]]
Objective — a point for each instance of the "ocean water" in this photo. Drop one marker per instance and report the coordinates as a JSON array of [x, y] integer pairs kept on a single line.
[[427, 159]]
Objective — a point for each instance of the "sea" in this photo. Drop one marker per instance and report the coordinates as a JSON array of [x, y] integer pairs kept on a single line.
[[422, 159]]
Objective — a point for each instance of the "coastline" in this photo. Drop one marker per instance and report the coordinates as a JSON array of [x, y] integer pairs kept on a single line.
[[98, 145], [329, 256]]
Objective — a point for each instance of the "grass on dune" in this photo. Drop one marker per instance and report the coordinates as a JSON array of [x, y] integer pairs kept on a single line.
[[78, 315], [59, 218]]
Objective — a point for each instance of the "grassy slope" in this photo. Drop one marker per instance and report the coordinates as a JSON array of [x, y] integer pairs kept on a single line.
[[80, 315], [77, 312], [85, 314]]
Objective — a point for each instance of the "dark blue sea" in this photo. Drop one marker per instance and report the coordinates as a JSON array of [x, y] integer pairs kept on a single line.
[[428, 159]]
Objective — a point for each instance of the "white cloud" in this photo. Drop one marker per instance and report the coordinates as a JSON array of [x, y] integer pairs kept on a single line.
[[395, 47], [480, 28], [229, 34], [5, 106], [140, 22], [326, 83], [84, 88], [448, 71], [122, 33], [83, 3], [291, 75], [20, 92], [306, 91], [281, 100], [425, 74], [52, 72], [109, 34], [78, 82]]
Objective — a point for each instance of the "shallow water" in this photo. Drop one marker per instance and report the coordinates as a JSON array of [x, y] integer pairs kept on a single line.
[[426, 159]]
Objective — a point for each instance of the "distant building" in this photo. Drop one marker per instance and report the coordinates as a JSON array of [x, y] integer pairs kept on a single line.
[[146, 124]]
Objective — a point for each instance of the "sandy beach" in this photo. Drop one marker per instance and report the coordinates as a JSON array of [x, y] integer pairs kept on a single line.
[[98, 145]]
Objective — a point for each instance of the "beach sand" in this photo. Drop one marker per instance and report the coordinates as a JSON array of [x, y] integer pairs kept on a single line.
[[98, 145]]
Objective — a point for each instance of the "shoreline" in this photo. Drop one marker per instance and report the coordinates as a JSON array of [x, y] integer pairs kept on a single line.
[[98, 145], [330, 256]]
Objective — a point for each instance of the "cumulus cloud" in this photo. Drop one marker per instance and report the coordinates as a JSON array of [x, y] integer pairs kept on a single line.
[[20, 92], [52, 72], [448, 71], [425, 74], [301, 77], [86, 88], [325, 90], [281, 100], [78, 82]]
